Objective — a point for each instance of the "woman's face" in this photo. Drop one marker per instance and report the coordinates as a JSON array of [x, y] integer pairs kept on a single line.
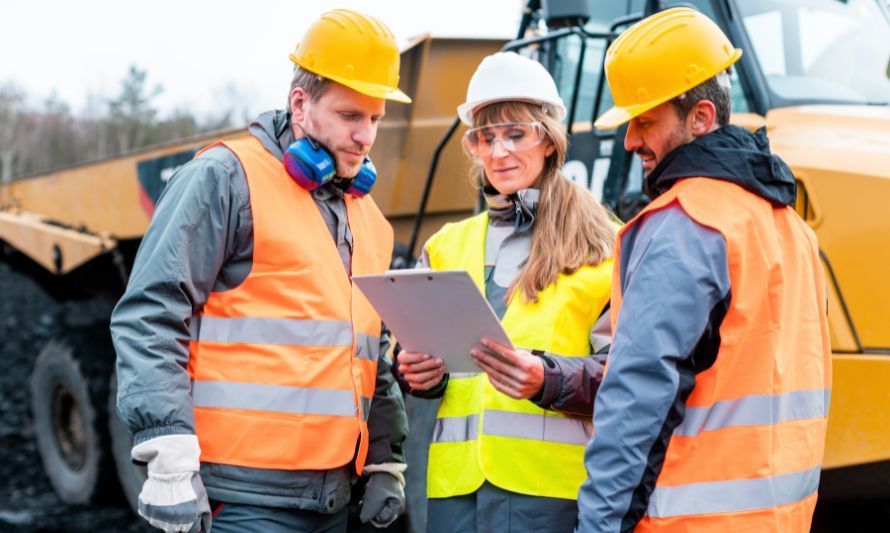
[[512, 154]]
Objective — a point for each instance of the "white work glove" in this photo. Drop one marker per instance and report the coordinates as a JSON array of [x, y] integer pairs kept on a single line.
[[384, 498], [173, 497]]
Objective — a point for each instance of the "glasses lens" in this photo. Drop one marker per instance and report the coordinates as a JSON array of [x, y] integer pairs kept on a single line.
[[513, 136]]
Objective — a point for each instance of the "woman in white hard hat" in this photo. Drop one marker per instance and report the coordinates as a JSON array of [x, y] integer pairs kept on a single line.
[[507, 448]]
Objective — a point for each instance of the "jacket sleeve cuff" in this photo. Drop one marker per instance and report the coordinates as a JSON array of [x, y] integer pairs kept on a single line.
[[552, 387], [160, 431], [436, 392], [430, 394], [396, 470]]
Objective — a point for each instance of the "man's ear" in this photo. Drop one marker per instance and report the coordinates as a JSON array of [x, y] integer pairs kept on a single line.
[[299, 99], [703, 117]]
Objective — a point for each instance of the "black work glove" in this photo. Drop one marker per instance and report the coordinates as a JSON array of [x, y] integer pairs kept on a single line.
[[384, 499]]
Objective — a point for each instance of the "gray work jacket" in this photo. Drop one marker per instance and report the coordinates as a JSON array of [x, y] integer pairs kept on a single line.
[[200, 241]]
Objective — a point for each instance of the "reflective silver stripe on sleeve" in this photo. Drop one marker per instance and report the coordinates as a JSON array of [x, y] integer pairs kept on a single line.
[[456, 429], [367, 347], [733, 496], [540, 427], [760, 410], [284, 331], [273, 398]]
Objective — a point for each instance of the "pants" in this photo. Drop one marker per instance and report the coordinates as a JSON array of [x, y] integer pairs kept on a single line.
[[492, 509], [242, 518]]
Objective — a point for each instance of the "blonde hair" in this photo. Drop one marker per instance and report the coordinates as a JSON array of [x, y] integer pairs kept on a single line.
[[571, 228]]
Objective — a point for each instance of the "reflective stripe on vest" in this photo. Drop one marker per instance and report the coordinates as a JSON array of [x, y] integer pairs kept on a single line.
[[482, 434], [456, 429], [283, 331], [539, 427], [288, 359], [747, 454], [733, 496], [277, 399], [756, 410]]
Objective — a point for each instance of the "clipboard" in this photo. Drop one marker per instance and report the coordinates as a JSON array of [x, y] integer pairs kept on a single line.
[[441, 313]]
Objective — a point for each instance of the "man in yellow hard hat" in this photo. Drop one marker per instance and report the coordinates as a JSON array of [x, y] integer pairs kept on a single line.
[[251, 371], [712, 412]]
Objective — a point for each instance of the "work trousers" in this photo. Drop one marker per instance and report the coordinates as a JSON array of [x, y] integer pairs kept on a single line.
[[492, 509], [243, 518]]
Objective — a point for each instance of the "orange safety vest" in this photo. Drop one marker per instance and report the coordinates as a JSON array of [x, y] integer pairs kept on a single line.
[[748, 453], [283, 366]]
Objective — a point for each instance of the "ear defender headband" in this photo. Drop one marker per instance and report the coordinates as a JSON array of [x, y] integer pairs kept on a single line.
[[311, 165]]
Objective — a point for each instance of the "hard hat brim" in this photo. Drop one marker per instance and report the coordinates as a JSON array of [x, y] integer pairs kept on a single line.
[[466, 110], [374, 90], [617, 115], [369, 89]]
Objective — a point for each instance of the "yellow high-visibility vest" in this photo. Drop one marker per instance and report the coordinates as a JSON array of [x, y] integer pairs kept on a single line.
[[481, 434]]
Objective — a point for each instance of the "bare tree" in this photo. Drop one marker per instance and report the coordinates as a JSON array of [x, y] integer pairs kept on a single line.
[[36, 139], [132, 114], [12, 129]]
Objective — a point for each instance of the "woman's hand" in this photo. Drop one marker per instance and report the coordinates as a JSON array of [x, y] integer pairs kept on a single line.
[[516, 373], [422, 371]]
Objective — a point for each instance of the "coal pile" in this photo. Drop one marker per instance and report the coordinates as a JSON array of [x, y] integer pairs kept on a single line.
[[28, 319]]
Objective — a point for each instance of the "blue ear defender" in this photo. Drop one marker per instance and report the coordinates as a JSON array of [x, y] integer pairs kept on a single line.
[[364, 181], [308, 163], [311, 165]]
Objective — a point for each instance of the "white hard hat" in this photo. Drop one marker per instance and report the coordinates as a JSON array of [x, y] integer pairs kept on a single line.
[[509, 76]]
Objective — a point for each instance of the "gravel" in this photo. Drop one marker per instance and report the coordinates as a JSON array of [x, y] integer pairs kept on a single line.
[[28, 318]]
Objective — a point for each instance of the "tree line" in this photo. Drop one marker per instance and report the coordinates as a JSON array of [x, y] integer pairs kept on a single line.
[[37, 138]]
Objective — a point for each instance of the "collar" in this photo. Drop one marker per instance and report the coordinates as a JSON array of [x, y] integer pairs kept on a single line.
[[518, 208]]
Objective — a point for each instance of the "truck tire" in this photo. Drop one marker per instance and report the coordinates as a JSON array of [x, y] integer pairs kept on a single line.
[[131, 476], [68, 425]]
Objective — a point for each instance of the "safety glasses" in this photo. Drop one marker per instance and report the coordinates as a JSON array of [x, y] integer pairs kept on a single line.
[[513, 136]]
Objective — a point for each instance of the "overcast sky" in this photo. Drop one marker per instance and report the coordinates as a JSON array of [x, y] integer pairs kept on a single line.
[[199, 50]]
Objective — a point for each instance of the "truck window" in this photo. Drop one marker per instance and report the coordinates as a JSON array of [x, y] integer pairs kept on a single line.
[[821, 50], [568, 51], [739, 100]]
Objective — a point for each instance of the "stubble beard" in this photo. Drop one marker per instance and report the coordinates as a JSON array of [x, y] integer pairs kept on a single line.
[[679, 137], [343, 169], [347, 171]]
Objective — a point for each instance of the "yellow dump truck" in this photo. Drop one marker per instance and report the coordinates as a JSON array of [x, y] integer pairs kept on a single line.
[[814, 73]]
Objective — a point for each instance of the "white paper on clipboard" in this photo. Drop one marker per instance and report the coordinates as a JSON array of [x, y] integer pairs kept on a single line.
[[436, 312]]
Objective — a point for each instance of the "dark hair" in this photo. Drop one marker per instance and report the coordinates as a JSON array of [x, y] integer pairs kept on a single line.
[[312, 83], [707, 90]]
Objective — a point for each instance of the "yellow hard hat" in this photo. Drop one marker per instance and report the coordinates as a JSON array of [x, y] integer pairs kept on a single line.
[[662, 57], [354, 50]]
